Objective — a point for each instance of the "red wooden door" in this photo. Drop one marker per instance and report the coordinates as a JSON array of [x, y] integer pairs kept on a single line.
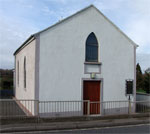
[[91, 91]]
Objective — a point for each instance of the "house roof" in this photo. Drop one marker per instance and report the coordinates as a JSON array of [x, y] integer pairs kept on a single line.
[[59, 22]]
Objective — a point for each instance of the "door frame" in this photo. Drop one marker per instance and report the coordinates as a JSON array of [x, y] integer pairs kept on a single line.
[[101, 80]]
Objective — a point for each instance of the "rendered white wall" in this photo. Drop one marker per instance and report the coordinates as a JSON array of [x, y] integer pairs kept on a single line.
[[62, 57], [27, 93]]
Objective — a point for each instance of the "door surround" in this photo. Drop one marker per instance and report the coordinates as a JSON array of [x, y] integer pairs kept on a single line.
[[101, 90]]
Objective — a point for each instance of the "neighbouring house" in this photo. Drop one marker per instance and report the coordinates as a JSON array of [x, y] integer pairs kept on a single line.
[[83, 57], [6, 83]]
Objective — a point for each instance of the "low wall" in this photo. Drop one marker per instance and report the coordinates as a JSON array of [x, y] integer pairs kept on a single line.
[[142, 97]]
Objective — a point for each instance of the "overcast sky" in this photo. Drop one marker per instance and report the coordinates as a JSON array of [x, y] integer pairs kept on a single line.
[[21, 18]]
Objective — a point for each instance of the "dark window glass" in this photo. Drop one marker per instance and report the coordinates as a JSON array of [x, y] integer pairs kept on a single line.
[[18, 73], [91, 48], [24, 72], [129, 87]]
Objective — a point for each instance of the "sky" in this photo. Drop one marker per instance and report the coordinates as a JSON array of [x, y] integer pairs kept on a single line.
[[21, 18]]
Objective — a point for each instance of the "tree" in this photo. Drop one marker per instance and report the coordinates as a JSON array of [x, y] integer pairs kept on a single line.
[[139, 77], [146, 80]]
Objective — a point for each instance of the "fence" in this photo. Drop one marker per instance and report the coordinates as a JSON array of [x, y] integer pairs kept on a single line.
[[21, 108], [25, 108], [142, 106], [60, 108], [116, 107]]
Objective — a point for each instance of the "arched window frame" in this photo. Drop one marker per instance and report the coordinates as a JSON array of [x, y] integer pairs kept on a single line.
[[91, 55], [24, 72]]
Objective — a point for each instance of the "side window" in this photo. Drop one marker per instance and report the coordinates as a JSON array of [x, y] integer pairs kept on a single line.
[[24, 72], [91, 48], [18, 73]]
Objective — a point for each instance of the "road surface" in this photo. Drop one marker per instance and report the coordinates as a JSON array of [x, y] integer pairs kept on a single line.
[[132, 129]]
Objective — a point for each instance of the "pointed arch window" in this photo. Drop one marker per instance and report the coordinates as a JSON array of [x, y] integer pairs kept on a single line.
[[24, 72], [91, 48], [18, 73]]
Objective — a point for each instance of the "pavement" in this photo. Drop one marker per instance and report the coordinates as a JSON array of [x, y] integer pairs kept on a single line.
[[75, 124]]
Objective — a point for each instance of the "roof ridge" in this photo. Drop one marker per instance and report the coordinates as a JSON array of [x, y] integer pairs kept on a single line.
[[117, 27], [91, 5], [64, 19], [37, 33]]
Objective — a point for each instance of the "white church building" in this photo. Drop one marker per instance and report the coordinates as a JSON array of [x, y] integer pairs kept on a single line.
[[83, 57]]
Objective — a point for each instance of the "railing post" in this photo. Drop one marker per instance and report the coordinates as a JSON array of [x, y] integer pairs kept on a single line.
[[37, 107], [88, 109]]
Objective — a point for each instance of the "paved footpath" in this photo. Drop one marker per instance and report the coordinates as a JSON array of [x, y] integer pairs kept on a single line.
[[26, 127]]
